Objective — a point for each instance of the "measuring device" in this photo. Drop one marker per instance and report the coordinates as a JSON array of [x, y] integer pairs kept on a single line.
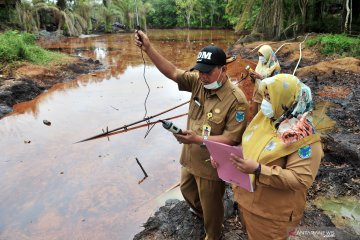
[[169, 125]]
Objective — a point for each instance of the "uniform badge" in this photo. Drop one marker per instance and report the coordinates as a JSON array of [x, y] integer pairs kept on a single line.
[[240, 116], [305, 152], [206, 129]]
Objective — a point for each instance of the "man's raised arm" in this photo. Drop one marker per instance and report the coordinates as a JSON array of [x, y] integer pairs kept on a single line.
[[164, 65]]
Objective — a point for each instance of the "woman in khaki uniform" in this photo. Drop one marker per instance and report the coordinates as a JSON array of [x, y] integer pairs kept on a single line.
[[282, 149], [267, 66]]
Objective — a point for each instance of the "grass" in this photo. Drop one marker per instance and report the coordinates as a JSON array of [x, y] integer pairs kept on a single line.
[[15, 46], [336, 44]]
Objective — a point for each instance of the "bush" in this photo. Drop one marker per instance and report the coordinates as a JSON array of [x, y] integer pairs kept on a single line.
[[336, 44], [15, 46]]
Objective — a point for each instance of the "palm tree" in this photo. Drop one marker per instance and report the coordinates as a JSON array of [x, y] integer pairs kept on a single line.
[[30, 18]]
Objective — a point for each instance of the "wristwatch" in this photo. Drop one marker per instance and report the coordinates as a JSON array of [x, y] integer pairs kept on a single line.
[[258, 171]]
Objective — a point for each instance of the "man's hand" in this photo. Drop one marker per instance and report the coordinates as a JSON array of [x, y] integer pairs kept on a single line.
[[142, 40], [189, 137], [245, 166]]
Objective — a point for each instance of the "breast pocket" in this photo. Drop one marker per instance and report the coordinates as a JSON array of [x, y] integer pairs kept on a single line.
[[217, 125], [195, 111]]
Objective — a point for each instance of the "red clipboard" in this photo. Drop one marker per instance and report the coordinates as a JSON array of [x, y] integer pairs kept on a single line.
[[226, 170]]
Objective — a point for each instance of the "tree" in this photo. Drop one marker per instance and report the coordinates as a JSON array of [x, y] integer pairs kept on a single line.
[[303, 9], [163, 14], [348, 18], [269, 22], [31, 18], [245, 15], [186, 7]]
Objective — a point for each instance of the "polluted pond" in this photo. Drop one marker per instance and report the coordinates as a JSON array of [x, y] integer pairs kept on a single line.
[[344, 212]]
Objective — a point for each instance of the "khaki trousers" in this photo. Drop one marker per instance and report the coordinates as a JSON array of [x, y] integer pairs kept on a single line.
[[259, 228], [206, 198]]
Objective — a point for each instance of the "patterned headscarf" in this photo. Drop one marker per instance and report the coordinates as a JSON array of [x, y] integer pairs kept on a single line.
[[271, 66], [291, 101]]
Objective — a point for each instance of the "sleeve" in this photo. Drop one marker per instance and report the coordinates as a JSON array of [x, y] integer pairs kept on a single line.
[[257, 97], [298, 174], [274, 70], [236, 122], [186, 80]]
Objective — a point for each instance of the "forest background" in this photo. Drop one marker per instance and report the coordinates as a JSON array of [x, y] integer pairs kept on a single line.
[[264, 19]]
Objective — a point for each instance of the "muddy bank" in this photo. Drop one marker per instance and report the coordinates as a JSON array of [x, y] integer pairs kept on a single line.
[[336, 85], [28, 81]]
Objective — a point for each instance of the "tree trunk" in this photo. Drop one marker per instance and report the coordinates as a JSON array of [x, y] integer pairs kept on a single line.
[[347, 25], [303, 8], [269, 22], [245, 15]]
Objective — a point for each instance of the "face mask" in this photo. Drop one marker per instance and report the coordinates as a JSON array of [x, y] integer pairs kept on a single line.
[[262, 59], [214, 85], [266, 108]]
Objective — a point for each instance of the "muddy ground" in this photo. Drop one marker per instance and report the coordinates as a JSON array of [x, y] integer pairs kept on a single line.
[[334, 80], [27, 81]]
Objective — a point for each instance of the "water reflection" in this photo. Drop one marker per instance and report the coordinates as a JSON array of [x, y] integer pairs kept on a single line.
[[54, 189]]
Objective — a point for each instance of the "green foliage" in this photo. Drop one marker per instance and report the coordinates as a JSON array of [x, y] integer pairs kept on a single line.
[[15, 46], [254, 13], [163, 14], [336, 44]]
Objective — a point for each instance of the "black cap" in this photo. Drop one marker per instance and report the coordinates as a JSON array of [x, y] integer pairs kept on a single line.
[[208, 58]]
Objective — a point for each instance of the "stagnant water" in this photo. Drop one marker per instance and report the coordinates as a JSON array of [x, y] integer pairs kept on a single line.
[[52, 188]]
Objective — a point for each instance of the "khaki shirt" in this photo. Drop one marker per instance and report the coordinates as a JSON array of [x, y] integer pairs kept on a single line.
[[224, 104], [257, 97], [280, 191]]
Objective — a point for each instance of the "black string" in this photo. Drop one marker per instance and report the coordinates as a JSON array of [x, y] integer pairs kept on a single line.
[[142, 55], [147, 96], [149, 129]]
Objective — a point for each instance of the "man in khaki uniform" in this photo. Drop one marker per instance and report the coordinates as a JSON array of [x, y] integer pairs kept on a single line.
[[218, 112]]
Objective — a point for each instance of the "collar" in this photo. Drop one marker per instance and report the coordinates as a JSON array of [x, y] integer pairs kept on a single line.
[[223, 91]]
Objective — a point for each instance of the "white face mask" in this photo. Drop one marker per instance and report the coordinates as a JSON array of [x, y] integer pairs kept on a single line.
[[262, 59], [266, 108], [214, 85]]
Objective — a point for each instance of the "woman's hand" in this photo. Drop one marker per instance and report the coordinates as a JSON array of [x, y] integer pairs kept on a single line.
[[245, 166], [214, 164], [255, 75]]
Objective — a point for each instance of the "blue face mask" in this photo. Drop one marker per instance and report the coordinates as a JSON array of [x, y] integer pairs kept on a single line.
[[266, 108]]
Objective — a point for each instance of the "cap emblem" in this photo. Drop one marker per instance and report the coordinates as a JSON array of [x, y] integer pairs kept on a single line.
[[204, 55]]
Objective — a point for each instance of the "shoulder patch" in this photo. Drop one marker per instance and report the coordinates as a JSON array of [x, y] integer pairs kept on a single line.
[[305, 152], [239, 116]]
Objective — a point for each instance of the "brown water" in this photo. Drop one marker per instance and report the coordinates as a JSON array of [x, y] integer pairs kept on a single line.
[[52, 188]]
